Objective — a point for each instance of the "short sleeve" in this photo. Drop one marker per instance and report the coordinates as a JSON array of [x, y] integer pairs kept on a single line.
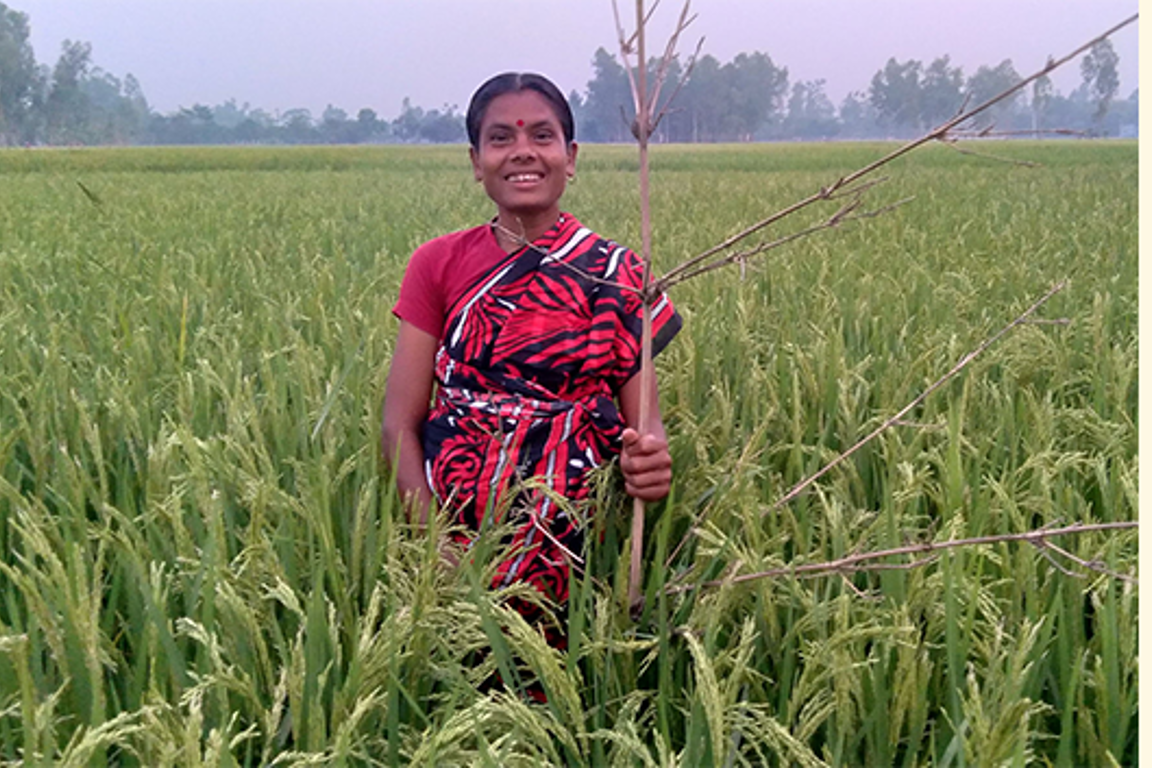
[[421, 301]]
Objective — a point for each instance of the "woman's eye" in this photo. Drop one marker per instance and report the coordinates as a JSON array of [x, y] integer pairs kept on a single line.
[[544, 135]]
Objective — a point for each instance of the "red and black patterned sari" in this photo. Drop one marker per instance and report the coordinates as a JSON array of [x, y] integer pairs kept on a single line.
[[531, 359]]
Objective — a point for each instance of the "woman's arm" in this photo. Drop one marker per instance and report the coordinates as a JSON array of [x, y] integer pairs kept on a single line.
[[406, 399], [644, 458]]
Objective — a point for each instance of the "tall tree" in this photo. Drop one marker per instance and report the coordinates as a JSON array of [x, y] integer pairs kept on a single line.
[[68, 107], [1041, 100], [756, 88], [442, 126], [1098, 69], [811, 114], [608, 110], [406, 126], [368, 126], [21, 84], [941, 92], [111, 118], [895, 93], [704, 100], [297, 127], [858, 118], [987, 83]]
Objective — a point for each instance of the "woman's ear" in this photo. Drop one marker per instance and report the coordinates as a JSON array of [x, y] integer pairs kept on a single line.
[[474, 156], [570, 168]]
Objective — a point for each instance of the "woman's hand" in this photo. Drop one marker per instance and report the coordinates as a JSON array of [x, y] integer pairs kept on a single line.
[[646, 464]]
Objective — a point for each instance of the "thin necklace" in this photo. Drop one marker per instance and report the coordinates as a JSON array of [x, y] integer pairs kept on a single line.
[[518, 240]]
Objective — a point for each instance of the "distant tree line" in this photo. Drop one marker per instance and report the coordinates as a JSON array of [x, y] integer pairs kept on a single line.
[[749, 98]]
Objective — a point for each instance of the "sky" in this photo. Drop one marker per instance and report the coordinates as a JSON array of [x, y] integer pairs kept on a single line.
[[284, 54]]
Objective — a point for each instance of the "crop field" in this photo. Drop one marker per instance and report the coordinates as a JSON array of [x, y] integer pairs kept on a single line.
[[203, 562]]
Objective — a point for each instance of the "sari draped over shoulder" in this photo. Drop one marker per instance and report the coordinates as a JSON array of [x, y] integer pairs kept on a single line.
[[530, 361]]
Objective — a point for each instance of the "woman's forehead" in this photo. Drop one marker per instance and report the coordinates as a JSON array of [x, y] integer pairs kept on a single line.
[[525, 107]]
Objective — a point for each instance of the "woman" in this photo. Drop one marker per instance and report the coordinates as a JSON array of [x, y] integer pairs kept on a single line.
[[529, 326]]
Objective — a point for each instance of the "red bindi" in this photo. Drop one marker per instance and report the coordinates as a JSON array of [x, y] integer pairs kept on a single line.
[[519, 123]]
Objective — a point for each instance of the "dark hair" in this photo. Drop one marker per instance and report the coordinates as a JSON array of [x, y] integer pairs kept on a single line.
[[514, 82]]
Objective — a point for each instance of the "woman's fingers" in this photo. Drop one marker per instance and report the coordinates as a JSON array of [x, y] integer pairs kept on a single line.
[[646, 465]]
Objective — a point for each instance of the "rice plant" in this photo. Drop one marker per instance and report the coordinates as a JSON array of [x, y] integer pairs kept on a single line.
[[202, 562]]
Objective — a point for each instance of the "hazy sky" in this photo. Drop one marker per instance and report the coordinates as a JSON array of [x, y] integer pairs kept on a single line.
[[281, 54]]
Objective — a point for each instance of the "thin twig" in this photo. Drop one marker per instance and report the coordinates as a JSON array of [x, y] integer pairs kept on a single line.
[[654, 116], [916, 424], [1092, 565], [842, 216], [864, 186], [688, 68], [852, 563], [964, 361], [859, 592], [951, 144], [992, 134], [1047, 553], [628, 46], [625, 49], [523, 241], [642, 129], [899, 566]]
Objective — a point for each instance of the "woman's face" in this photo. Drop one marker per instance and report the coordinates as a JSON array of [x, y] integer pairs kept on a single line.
[[522, 158]]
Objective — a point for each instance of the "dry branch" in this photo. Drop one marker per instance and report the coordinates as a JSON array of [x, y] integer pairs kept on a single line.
[[860, 561], [646, 115], [994, 134], [846, 214], [941, 132], [895, 419], [520, 239], [950, 142]]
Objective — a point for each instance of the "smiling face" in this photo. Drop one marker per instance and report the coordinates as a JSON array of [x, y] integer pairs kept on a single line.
[[523, 161]]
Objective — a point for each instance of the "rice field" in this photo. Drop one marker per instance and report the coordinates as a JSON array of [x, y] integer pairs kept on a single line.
[[203, 562]]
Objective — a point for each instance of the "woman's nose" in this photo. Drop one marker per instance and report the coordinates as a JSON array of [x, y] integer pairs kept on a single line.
[[523, 148]]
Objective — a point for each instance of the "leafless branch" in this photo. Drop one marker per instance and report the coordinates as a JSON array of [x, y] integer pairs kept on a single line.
[[1047, 553], [665, 65], [951, 144], [857, 591], [626, 48], [915, 424], [642, 129], [991, 134], [856, 562], [691, 65], [647, 98], [520, 239], [936, 134], [964, 361], [899, 566], [1092, 565], [859, 189], [844, 215]]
